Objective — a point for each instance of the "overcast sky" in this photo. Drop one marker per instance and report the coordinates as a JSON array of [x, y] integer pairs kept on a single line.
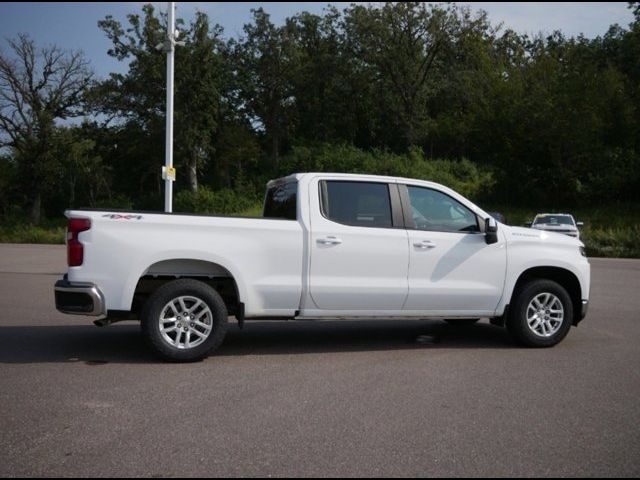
[[74, 25]]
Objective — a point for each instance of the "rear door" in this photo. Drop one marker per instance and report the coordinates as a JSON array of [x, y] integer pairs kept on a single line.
[[359, 250]]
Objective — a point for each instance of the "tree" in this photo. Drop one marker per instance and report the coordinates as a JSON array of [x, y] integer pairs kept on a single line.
[[139, 95], [38, 86], [198, 94], [265, 59], [410, 49], [81, 169]]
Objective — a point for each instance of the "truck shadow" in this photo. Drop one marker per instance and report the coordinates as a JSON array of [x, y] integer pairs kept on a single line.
[[123, 343]]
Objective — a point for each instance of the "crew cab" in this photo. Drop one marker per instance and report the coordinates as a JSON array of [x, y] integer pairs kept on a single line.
[[336, 246]]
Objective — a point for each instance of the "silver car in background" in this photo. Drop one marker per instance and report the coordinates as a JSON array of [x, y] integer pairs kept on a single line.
[[556, 222]]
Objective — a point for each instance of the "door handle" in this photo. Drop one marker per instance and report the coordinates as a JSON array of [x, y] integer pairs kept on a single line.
[[329, 240], [425, 244]]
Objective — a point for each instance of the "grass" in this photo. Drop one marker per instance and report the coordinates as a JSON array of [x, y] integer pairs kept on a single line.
[[253, 211], [49, 231], [609, 230]]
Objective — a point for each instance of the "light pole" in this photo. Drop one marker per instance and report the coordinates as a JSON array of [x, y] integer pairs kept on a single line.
[[168, 172]]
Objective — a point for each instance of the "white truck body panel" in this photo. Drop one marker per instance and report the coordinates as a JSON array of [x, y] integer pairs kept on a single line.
[[315, 267], [264, 256]]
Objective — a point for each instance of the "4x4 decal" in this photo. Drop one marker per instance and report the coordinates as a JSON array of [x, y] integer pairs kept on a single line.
[[117, 216]]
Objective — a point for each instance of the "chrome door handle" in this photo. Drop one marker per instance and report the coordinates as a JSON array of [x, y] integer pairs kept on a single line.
[[424, 244], [329, 240]]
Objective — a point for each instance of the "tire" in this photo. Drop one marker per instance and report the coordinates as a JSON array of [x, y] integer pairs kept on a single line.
[[173, 336], [461, 321], [541, 314]]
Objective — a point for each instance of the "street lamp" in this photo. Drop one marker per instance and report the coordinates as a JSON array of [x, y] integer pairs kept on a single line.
[[168, 172]]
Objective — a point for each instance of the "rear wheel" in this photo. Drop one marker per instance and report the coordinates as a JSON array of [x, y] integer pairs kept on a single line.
[[184, 320], [541, 315]]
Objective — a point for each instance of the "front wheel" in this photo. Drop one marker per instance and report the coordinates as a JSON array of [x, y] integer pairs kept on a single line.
[[184, 320], [541, 314]]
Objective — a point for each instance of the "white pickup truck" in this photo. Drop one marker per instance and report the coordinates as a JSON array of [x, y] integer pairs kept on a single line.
[[327, 246]]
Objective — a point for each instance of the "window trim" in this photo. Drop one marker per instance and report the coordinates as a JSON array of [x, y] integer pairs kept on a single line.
[[395, 202], [410, 222]]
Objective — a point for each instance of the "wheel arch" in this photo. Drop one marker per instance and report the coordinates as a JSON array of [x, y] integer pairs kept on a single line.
[[213, 273], [566, 278]]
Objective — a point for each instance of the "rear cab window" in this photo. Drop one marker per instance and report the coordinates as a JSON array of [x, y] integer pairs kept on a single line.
[[281, 201]]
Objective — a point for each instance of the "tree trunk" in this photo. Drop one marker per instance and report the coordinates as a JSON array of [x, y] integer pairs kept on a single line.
[[193, 175], [226, 172], [35, 209], [275, 150], [72, 192]]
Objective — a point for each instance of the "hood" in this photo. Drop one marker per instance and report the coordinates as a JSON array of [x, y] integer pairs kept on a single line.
[[521, 234]]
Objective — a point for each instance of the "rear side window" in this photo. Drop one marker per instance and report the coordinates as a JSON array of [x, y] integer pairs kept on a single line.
[[361, 204], [281, 200]]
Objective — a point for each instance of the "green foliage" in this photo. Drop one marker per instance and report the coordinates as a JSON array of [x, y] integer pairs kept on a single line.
[[32, 234], [118, 202], [263, 58], [139, 95], [221, 202], [612, 242], [461, 175]]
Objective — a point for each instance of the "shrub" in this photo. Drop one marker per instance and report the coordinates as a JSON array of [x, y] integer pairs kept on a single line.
[[32, 234], [118, 201], [612, 242], [221, 202]]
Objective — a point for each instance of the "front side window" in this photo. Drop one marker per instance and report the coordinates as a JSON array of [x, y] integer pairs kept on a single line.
[[435, 211], [361, 204], [280, 201]]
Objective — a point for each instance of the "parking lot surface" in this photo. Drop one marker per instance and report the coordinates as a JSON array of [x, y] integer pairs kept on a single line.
[[329, 398]]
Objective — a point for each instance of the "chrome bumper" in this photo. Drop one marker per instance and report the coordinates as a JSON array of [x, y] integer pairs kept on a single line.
[[79, 298]]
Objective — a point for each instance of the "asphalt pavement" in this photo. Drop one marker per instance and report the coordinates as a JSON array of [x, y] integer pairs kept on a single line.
[[327, 398]]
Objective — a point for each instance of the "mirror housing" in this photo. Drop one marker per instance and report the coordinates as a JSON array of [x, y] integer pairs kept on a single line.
[[490, 230], [528, 224], [579, 224]]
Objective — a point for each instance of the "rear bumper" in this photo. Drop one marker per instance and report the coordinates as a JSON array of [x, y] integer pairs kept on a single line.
[[79, 298]]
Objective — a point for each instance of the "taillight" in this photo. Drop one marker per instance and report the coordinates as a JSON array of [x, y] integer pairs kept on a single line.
[[75, 249]]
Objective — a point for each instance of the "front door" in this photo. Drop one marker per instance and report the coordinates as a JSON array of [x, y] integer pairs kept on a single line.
[[452, 270]]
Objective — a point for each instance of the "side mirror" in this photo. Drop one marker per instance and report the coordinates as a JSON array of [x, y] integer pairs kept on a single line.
[[579, 224], [528, 224], [490, 230]]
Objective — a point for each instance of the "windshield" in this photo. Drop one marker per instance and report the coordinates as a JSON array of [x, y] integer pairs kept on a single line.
[[553, 220]]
